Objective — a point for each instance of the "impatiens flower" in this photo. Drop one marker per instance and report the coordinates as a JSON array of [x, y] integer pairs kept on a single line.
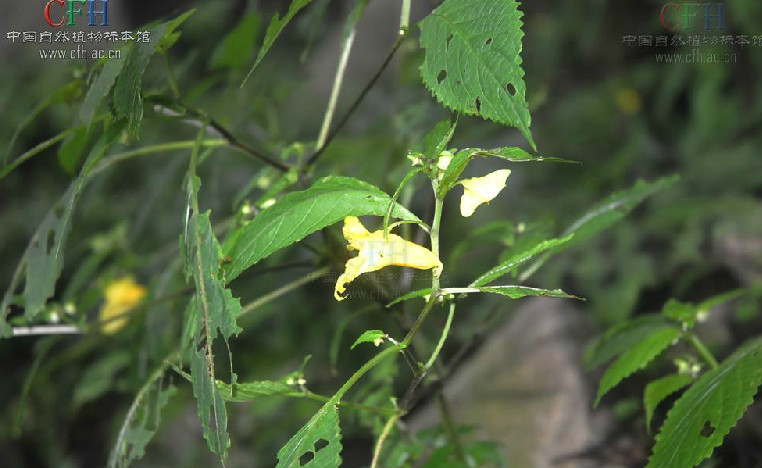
[[377, 251], [480, 190], [121, 296]]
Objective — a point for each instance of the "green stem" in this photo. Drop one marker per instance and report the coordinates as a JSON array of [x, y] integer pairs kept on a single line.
[[337, 81], [449, 426], [442, 339], [283, 290], [703, 351], [175, 145], [382, 438], [405, 16]]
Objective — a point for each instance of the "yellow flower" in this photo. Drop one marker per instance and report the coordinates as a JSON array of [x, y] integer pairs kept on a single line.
[[121, 296], [480, 190], [377, 252]]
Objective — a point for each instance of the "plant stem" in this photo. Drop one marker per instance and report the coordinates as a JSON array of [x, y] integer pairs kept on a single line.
[[283, 290], [449, 426], [405, 16], [703, 351], [442, 339], [337, 82], [382, 438]]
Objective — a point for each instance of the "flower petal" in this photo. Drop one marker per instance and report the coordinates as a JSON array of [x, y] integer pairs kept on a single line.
[[480, 190], [121, 296]]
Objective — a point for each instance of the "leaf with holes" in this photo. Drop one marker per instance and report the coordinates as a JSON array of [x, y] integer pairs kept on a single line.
[[472, 62], [637, 357], [299, 214], [317, 444], [660, 389], [706, 412]]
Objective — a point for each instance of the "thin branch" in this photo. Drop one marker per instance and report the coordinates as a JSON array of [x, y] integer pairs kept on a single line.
[[313, 159], [337, 81], [283, 290], [47, 330]]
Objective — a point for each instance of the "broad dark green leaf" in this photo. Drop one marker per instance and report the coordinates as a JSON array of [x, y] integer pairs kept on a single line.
[[472, 62], [660, 389], [703, 416], [517, 260], [323, 426], [369, 336], [299, 214], [637, 357], [273, 31]]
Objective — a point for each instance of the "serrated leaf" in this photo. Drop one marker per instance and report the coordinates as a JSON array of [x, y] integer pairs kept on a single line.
[[210, 404], [301, 213], [703, 416], [100, 89], [472, 60], [273, 31], [141, 423], [323, 426], [660, 389], [517, 292], [437, 139], [43, 258], [248, 391], [620, 338], [238, 45], [604, 215], [517, 260], [370, 336], [637, 357]]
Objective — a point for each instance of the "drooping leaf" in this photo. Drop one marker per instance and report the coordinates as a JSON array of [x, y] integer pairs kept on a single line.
[[299, 214], [472, 60], [72, 149], [703, 416], [622, 337], [238, 45], [517, 260], [210, 404], [370, 336], [515, 154], [273, 31], [660, 389], [637, 357], [437, 139], [319, 441], [141, 423], [43, 258], [604, 215]]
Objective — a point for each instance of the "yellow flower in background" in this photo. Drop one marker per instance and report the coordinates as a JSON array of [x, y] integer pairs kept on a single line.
[[120, 296], [628, 101], [377, 251], [480, 190]]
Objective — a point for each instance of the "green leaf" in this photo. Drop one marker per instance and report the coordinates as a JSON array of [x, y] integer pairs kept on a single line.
[[370, 336], [637, 357], [517, 292], [515, 154], [72, 149], [706, 306], [472, 61], [622, 337], [236, 48], [99, 378], [323, 427], [681, 312], [301, 213], [100, 89], [517, 260], [273, 31], [604, 215], [248, 391], [210, 405], [700, 419], [142, 421], [437, 139], [43, 258], [660, 389], [411, 295]]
